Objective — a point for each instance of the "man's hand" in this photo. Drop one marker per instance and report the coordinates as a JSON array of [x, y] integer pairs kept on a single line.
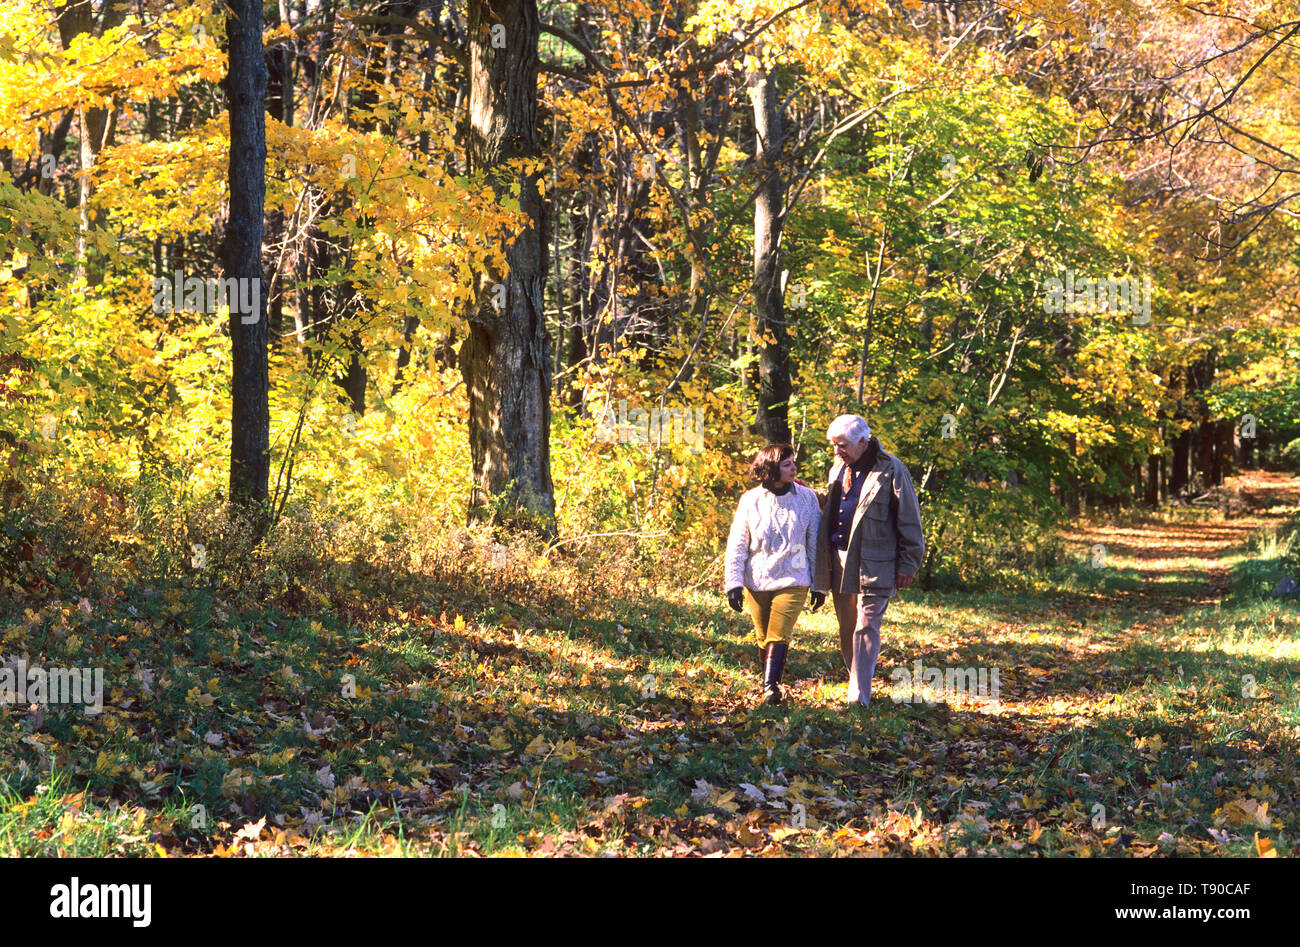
[[818, 599], [904, 581], [801, 483], [735, 598]]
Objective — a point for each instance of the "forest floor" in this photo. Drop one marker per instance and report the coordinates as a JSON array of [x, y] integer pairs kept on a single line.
[[1146, 704]]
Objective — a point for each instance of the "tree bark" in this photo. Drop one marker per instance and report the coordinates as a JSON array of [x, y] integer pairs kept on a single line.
[[242, 252], [1152, 496], [1178, 465], [505, 359], [773, 380], [1223, 453]]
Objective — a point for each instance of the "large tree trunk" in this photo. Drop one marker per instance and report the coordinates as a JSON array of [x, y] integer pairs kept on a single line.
[[505, 359], [774, 355], [242, 252]]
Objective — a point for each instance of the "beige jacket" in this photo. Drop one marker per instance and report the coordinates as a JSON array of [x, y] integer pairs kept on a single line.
[[885, 537]]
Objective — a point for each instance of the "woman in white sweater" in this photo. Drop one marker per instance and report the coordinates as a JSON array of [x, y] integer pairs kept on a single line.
[[771, 557]]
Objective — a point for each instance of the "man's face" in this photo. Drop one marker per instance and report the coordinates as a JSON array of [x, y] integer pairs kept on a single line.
[[847, 450]]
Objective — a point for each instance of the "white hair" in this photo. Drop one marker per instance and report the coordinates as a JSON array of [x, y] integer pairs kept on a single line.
[[850, 426]]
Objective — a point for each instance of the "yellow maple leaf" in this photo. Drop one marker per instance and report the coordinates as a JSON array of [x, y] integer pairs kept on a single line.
[[1243, 812], [234, 782]]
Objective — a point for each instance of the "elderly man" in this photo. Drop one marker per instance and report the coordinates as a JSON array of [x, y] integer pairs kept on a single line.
[[869, 544]]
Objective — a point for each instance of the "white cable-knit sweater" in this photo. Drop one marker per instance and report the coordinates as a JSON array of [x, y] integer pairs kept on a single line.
[[773, 541]]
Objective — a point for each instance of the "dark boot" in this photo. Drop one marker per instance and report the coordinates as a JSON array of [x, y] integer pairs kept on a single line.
[[773, 666]]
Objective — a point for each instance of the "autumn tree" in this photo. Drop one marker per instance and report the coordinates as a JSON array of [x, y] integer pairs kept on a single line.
[[505, 358], [250, 457]]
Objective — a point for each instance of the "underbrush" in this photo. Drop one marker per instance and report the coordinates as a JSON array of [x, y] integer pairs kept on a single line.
[[990, 538], [1272, 556]]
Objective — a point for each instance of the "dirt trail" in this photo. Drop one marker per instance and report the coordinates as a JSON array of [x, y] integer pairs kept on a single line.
[[1256, 500], [1181, 561]]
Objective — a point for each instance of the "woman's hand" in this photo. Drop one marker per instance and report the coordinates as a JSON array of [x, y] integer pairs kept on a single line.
[[735, 598], [818, 599]]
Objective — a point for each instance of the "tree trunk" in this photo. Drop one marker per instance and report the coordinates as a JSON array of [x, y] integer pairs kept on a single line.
[[505, 359], [1244, 446], [95, 125], [700, 162], [279, 103], [1223, 451], [1206, 441], [772, 422], [409, 325], [1072, 481], [242, 252], [1200, 375], [1178, 465], [933, 277]]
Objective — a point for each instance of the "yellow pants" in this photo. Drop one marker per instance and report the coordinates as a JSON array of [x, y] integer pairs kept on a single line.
[[774, 613]]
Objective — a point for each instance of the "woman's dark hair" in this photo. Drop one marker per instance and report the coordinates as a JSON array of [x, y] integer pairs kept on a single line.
[[766, 468]]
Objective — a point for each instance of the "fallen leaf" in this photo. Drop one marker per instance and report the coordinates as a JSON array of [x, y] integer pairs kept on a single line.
[[251, 831], [1243, 812]]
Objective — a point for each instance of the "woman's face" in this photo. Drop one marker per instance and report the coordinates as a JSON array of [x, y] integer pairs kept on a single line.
[[789, 470]]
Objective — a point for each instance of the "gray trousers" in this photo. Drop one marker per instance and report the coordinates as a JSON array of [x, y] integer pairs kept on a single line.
[[859, 618]]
